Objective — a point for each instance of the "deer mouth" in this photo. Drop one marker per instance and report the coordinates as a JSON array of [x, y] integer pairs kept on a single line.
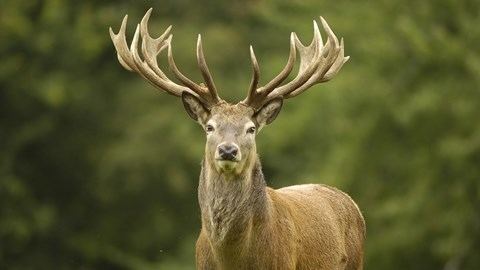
[[227, 160], [227, 165]]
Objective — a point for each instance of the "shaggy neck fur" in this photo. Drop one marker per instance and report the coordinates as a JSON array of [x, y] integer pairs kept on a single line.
[[231, 206]]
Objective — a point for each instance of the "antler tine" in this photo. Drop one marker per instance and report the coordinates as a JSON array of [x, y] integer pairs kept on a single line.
[[286, 70], [252, 92], [337, 65], [120, 42], [147, 67], [182, 78], [151, 47], [202, 64]]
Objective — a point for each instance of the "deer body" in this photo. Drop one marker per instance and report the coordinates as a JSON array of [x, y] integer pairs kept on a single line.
[[299, 227], [245, 224]]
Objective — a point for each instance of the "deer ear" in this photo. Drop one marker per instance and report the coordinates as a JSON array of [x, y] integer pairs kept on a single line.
[[195, 108], [268, 112]]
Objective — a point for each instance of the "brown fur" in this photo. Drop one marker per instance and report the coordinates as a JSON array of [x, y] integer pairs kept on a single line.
[[298, 227], [247, 225]]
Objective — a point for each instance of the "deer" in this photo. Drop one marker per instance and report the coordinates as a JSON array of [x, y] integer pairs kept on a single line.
[[244, 223]]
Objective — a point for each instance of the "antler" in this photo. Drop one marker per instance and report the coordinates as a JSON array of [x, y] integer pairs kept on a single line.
[[148, 68], [318, 63]]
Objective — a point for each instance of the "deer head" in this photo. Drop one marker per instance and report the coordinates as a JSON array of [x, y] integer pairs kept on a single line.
[[230, 128]]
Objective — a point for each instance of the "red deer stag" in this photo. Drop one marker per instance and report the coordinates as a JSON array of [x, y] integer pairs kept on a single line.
[[245, 224]]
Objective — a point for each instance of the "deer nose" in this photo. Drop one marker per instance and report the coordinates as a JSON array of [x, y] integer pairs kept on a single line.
[[227, 151]]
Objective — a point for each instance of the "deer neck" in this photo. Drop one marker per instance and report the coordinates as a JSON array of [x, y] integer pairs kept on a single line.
[[231, 205]]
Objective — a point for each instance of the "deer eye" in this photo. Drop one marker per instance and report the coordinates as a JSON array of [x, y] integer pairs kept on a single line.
[[209, 128], [251, 130]]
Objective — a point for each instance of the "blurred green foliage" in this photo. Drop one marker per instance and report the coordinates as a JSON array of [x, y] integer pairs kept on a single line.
[[99, 171]]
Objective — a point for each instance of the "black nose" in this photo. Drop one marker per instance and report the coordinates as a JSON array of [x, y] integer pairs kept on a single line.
[[227, 151]]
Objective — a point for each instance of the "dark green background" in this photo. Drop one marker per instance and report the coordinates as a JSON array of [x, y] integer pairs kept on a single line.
[[98, 170]]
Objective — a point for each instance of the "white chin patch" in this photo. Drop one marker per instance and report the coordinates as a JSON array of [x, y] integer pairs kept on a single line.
[[226, 165]]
